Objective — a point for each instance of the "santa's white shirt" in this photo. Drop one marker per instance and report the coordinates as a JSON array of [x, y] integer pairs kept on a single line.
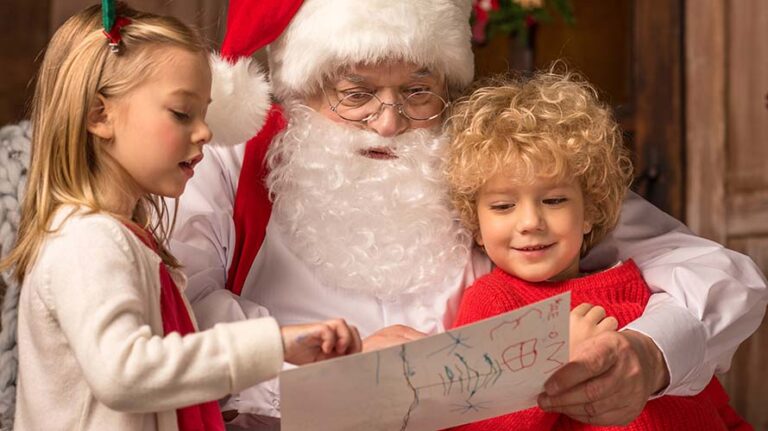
[[707, 298]]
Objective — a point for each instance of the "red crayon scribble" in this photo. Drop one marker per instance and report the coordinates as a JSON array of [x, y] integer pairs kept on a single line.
[[515, 322], [559, 345], [554, 309], [521, 355]]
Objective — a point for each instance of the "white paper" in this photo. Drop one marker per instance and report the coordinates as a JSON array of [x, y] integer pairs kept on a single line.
[[486, 369]]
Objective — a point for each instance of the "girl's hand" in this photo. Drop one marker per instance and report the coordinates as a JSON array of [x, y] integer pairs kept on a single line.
[[587, 321], [313, 342]]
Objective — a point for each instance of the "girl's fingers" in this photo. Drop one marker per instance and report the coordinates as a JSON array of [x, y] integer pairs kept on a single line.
[[343, 335], [357, 344], [328, 337]]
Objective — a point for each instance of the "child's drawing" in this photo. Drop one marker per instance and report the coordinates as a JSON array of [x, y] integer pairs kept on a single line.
[[474, 372]]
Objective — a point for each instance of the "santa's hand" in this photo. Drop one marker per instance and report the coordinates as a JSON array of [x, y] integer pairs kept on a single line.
[[391, 336], [608, 379], [313, 342], [587, 321]]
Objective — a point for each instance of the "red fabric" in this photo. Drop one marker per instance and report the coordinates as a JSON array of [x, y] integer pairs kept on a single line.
[[624, 294], [252, 206], [199, 417], [113, 35], [252, 25]]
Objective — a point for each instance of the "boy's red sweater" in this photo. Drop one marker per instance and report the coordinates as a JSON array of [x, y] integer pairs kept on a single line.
[[623, 293]]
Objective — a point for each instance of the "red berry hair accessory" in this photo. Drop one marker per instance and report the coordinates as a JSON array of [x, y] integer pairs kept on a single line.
[[112, 24]]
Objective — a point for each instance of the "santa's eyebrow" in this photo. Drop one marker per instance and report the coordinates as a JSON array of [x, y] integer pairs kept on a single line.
[[359, 79], [421, 73], [355, 79]]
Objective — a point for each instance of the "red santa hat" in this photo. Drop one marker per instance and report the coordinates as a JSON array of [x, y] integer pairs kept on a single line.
[[310, 40]]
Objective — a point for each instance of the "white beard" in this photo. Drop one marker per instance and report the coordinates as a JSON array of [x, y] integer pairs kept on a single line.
[[381, 227]]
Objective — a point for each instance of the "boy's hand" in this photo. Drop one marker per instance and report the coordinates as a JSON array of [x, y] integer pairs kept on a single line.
[[588, 320], [313, 342]]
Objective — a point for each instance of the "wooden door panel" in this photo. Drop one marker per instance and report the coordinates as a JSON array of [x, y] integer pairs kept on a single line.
[[747, 91], [747, 380]]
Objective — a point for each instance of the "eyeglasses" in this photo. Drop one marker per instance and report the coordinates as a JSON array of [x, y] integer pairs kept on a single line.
[[364, 107]]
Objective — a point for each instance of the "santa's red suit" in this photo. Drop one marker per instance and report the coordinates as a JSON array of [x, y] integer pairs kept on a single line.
[[409, 265]]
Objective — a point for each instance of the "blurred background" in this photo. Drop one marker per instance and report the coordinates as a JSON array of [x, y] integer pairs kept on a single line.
[[688, 81]]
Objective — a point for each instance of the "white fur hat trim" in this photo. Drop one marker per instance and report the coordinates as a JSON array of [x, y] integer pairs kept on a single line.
[[327, 34]]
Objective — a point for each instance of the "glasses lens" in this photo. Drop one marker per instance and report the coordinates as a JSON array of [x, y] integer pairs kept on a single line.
[[357, 106], [423, 105], [419, 106]]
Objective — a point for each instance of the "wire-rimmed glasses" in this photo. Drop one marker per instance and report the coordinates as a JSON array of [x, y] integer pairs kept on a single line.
[[363, 106]]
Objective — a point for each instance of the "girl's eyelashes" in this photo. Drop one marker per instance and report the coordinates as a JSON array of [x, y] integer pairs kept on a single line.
[[180, 116]]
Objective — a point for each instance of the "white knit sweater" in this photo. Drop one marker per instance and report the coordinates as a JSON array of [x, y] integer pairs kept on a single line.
[[14, 159], [92, 354]]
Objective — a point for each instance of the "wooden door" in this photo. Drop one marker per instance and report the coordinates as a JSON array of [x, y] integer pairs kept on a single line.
[[28, 25], [208, 15], [24, 34], [727, 153], [631, 50]]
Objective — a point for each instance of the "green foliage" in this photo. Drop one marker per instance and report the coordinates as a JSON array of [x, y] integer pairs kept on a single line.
[[511, 18]]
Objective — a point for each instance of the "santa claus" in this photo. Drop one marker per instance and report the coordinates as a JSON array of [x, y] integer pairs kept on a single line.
[[337, 207]]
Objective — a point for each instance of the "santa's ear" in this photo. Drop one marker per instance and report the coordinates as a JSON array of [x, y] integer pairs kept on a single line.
[[98, 119]]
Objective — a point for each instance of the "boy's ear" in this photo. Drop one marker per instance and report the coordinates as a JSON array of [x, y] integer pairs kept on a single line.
[[99, 121], [587, 226], [479, 239]]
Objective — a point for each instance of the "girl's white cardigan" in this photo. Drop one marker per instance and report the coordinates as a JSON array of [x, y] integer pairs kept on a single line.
[[14, 160], [91, 346]]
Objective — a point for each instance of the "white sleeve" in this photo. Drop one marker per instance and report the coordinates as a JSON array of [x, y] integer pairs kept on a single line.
[[203, 238], [706, 299], [92, 283]]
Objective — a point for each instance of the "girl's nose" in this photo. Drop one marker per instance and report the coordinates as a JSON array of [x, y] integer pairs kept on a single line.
[[203, 135]]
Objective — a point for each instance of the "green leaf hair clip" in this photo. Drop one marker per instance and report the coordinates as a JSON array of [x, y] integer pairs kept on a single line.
[[112, 24]]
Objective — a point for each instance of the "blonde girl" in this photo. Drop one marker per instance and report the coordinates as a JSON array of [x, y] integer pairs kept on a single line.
[[106, 340]]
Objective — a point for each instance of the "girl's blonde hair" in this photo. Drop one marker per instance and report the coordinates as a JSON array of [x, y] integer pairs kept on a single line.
[[550, 125], [69, 165]]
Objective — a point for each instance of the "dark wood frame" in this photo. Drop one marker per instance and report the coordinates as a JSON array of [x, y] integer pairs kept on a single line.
[[658, 134]]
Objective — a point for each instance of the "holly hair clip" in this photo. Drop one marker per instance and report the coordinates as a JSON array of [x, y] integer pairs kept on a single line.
[[112, 24]]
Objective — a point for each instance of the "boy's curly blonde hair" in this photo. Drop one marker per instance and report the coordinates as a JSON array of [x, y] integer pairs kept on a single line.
[[550, 125]]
